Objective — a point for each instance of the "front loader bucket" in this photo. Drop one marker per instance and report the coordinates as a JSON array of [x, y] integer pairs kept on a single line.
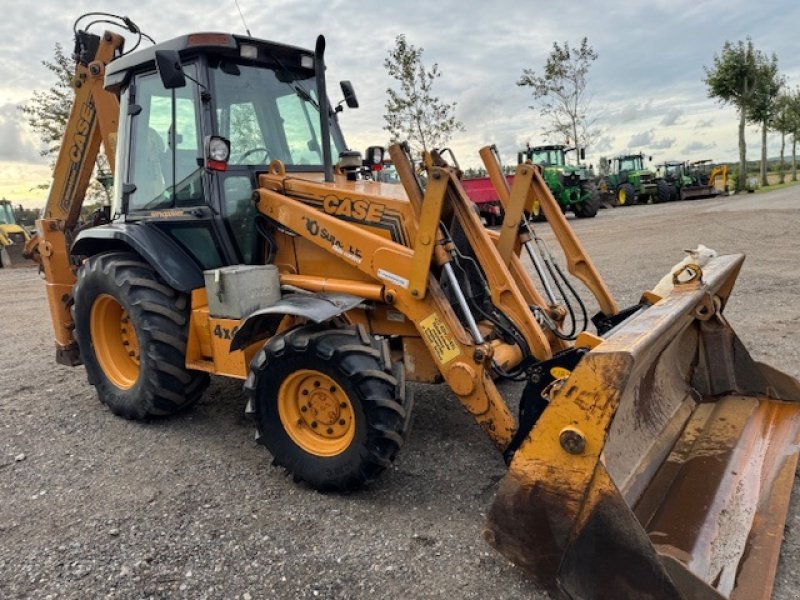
[[663, 466], [700, 191]]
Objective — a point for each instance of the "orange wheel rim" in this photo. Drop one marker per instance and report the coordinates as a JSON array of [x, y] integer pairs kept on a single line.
[[316, 413], [114, 340]]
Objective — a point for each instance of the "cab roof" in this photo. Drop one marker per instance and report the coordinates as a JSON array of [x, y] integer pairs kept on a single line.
[[118, 72]]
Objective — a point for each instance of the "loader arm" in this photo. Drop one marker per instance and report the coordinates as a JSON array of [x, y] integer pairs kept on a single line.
[[92, 122], [534, 195]]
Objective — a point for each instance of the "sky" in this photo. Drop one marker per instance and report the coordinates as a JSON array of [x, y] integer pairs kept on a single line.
[[646, 86]]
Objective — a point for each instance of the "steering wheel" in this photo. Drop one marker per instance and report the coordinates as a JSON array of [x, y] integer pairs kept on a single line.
[[241, 159]]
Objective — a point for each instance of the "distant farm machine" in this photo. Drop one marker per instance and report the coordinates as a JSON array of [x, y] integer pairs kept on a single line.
[[571, 185], [13, 237], [628, 181], [681, 180]]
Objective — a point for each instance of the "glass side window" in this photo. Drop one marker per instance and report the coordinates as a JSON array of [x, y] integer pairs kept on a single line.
[[240, 211], [164, 162], [6, 215]]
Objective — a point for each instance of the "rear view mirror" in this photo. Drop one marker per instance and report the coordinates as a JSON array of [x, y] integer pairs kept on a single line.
[[168, 64], [349, 94]]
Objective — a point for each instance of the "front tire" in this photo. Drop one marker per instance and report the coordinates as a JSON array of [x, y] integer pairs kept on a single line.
[[131, 329], [589, 207], [329, 405], [664, 191], [626, 195]]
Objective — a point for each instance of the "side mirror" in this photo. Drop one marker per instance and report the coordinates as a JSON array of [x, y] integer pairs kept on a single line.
[[583, 153], [168, 64], [349, 94]]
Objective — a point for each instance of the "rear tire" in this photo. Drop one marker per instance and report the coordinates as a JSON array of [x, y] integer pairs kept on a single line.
[[589, 207], [329, 405], [131, 329], [626, 195]]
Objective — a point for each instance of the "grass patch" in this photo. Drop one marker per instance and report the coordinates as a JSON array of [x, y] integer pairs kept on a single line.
[[777, 186]]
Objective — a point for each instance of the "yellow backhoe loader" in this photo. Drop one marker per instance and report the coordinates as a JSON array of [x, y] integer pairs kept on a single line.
[[651, 458], [13, 237]]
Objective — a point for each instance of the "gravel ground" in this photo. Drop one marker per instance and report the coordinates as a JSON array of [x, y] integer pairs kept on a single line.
[[96, 506]]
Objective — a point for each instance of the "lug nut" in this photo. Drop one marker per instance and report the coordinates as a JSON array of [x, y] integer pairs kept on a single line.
[[341, 421], [305, 392], [329, 430], [316, 384], [304, 408], [343, 405], [314, 424], [333, 388]]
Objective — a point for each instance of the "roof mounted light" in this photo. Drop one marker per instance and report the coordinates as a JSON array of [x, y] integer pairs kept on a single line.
[[209, 39], [307, 61], [248, 51]]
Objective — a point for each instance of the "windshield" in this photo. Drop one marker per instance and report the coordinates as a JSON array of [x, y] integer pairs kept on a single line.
[[268, 115], [630, 163], [6, 215], [547, 157]]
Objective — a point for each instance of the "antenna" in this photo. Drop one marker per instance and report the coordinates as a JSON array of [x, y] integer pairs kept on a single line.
[[246, 28]]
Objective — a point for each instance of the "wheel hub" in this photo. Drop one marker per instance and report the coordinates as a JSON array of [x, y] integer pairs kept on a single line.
[[114, 341], [316, 412]]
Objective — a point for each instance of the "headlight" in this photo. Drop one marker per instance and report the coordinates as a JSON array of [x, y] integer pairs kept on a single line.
[[218, 151]]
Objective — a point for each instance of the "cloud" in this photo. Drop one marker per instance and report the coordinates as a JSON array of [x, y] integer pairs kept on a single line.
[[634, 112], [704, 124], [662, 144], [15, 146], [604, 144], [644, 138], [672, 117], [695, 147]]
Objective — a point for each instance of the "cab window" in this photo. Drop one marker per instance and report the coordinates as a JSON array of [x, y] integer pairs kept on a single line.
[[166, 157]]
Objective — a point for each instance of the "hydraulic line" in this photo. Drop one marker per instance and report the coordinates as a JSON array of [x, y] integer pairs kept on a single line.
[[462, 303]]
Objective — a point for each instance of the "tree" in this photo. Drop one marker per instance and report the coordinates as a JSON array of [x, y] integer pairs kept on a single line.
[[793, 125], [783, 124], [48, 113], [763, 108], [561, 92], [732, 80], [413, 112]]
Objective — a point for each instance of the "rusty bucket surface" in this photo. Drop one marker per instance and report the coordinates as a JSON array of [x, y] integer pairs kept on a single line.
[[664, 464]]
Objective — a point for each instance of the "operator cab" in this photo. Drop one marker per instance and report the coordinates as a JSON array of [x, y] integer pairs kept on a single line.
[[200, 116]]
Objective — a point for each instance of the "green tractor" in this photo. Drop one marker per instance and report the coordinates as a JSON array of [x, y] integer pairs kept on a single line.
[[628, 182], [681, 181], [570, 184]]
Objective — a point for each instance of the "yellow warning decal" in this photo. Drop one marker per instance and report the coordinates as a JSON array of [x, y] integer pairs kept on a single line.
[[439, 338], [560, 372]]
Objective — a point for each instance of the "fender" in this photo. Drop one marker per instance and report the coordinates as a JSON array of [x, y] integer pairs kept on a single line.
[[170, 261], [317, 307]]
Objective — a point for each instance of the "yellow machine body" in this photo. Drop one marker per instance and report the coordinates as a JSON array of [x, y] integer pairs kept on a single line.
[[662, 464]]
